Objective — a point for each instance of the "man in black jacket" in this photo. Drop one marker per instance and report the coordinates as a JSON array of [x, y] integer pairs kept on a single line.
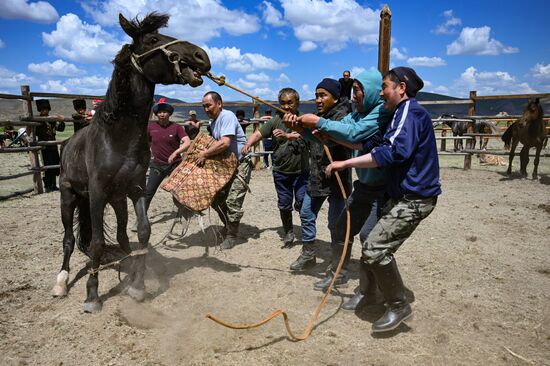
[[321, 187]]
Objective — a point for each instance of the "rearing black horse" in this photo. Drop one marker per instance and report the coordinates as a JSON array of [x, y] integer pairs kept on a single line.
[[106, 162]]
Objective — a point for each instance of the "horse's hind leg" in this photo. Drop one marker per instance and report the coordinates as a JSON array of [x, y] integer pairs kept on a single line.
[[68, 204], [524, 160], [137, 285], [121, 211], [511, 156], [536, 162]]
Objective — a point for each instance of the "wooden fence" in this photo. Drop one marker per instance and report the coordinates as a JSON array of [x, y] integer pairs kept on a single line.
[[30, 122]]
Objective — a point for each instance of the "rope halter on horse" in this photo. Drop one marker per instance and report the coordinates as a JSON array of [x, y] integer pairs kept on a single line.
[[172, 56]]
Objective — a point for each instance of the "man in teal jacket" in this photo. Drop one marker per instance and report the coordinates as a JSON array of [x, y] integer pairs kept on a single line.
[[368, 122]]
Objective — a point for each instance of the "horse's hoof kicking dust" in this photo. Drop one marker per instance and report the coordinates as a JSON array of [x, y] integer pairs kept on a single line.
[[136, 294], [60, 288], [92, 307]]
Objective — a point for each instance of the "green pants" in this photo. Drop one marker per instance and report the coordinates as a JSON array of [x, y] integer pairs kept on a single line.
[[229, 200], [400, 219]]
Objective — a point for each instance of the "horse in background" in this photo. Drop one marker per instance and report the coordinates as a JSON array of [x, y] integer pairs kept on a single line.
[[105, 163], [459, 128], [530, 130]]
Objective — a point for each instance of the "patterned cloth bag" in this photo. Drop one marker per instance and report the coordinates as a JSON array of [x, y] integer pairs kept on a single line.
[[194, 186]]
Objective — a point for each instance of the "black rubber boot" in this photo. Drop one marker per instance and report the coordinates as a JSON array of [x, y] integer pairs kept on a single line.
[[397, 309], [341, 281], [307, 258], [231, 235], [368, 293], [288, 228]]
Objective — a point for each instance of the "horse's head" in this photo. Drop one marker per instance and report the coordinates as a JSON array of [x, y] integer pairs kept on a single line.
[[533, 110], [163, 59]]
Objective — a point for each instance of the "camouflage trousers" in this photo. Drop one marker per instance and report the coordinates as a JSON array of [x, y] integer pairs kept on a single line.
[[400, 219], [229, 200]]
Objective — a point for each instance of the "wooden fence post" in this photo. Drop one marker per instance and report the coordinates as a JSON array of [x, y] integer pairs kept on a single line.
[[443, 141], [256, 114], [384, 40], [31, 133], [471, 112]]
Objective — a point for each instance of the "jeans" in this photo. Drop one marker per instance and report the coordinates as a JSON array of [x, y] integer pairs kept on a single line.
[[365, 206], [290, 187], [157, 173], [310, 209]]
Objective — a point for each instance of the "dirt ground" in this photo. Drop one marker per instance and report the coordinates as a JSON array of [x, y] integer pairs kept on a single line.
[[478, 269]]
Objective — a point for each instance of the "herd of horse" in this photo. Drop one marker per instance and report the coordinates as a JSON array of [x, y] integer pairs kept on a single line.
[[106, 162]]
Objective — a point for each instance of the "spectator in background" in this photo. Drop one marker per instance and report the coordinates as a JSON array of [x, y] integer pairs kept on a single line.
[[267, 142], [79, 118], [346, 83], [95, 105], [192, 125], [242, 121], [50, 154]]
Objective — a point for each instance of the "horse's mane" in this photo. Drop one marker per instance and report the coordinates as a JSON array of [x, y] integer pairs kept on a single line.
[[151, 23]]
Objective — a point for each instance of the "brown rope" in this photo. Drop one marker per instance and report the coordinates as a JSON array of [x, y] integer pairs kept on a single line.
[[307, 331]]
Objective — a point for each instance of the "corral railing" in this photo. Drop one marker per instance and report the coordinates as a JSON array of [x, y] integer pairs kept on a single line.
[[30, 122]]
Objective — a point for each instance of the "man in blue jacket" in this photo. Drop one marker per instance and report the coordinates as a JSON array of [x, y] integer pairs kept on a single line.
[[410, 153], [367, 197]]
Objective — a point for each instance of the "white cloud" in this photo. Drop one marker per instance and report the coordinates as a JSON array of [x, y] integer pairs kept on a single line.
[[190, 20], [2, 44], [426, 61], [476, 41], [82, 42], [541, 71], [307, 46], [261, 77], [90, 85], [283, 78], [232, 59], [334, 24], [245, 84], [450, 25], [306, 92], [56, 68], [272, 16], [356, 70], [398, 55], [489, 83], [265, 93], [12, 79], [39, 11]]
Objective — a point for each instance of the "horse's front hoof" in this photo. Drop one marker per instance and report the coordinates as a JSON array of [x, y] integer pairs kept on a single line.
[[136, 294], [59, 291], [93, 307], [60, 288]]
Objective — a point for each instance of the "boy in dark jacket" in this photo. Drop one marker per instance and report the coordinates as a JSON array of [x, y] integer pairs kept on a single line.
[[409, 151]]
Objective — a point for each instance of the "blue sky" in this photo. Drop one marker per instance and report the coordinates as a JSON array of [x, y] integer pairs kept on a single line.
[[494, 47]]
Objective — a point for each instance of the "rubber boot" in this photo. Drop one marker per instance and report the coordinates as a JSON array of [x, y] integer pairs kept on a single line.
[[368, 293], [397, 309], [342, 280], [286, 218], [231, 235], [306, 259]]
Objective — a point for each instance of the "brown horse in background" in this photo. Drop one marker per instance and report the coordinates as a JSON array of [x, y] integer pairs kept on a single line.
[[105, 163], [531, 132]]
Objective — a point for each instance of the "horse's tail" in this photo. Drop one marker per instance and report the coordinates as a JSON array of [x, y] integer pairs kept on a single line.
[[84, 226], [508, 134]]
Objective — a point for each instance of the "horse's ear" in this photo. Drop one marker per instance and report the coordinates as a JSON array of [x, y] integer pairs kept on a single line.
[[128, 27]]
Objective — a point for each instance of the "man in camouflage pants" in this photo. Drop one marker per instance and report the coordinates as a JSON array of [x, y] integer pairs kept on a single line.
[[410, 153], [229, 134]]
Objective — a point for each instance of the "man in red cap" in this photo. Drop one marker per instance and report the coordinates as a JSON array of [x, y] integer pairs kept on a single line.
[[168, 140]]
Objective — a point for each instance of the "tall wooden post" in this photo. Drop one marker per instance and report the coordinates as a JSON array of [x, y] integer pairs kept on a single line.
[[471, 112], [384, 40], [256, 114], [31, 133]]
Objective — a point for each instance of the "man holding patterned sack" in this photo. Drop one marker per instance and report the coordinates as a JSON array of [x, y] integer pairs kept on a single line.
[[228, 134]]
